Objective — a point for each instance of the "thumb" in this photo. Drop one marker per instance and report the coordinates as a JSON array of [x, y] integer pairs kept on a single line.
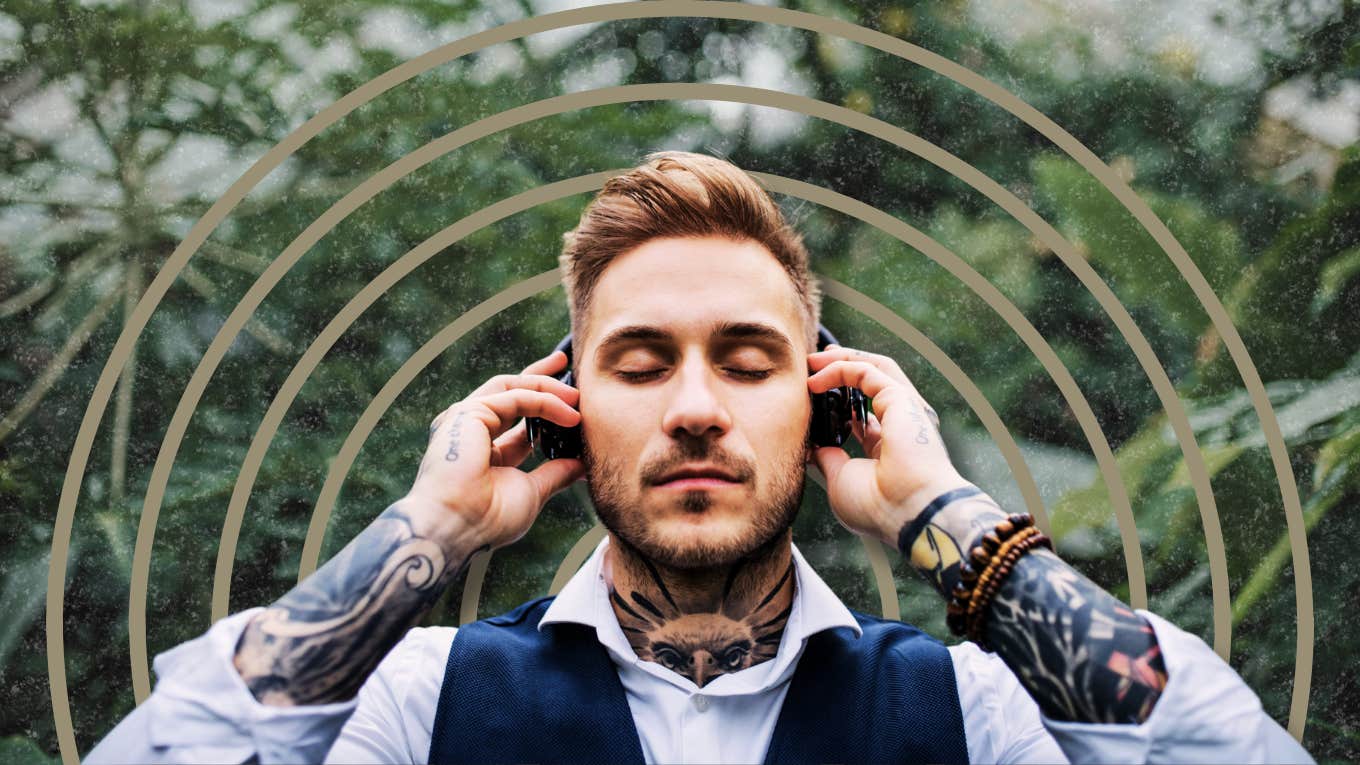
[[555, 475], [830, 460]]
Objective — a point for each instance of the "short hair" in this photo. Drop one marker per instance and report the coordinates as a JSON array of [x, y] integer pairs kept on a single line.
[[681, 194]]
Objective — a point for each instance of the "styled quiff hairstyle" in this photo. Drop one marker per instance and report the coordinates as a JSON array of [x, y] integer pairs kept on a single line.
[[680, 194]]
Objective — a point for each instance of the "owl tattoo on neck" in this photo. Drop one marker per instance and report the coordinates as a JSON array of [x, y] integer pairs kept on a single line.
[[705, 645]]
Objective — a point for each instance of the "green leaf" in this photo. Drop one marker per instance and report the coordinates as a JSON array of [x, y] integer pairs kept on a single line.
[[1336, 274], [20, 601], [18, 750]]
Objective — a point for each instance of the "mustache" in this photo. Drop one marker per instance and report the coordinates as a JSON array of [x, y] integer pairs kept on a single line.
[[696, 450]]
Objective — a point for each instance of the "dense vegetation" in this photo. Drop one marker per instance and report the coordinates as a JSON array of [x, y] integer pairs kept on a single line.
[[124, 122]]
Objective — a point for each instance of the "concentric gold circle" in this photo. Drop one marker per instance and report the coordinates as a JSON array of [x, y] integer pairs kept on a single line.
[[1219, 319]]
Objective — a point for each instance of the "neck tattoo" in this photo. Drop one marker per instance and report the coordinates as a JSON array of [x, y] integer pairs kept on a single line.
[[703, 624]]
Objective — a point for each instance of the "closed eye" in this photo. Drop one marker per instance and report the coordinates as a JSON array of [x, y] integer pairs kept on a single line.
[[650, 374]]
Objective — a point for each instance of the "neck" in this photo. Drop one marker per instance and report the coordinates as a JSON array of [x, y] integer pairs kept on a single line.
[[705, 622]]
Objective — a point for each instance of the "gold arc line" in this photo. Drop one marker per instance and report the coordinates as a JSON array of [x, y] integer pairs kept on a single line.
[[571, 561], [449, 236], [669, 8], [345, 457], [430, 151], [334, 329]]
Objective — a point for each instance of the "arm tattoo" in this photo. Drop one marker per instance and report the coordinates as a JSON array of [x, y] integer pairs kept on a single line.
[[938, 549], [319, 643], [1083, 655]]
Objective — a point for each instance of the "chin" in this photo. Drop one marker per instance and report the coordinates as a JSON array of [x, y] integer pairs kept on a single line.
[[698, 529], [690, 542]]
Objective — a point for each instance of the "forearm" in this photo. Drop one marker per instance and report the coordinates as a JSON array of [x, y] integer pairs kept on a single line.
[[1082, 655], [320, 642]]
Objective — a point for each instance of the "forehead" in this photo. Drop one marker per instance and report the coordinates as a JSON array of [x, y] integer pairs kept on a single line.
[[689, 285]]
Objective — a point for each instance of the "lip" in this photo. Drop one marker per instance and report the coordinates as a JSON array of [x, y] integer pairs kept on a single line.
[[697, 477], [697, 483]]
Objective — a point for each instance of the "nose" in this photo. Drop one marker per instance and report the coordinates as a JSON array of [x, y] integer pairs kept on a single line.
[[696, 407]]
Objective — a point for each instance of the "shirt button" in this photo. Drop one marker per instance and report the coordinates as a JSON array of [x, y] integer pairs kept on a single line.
[[701, 702]]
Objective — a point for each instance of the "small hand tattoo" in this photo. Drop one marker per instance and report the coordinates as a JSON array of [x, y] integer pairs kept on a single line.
[[455, 433]]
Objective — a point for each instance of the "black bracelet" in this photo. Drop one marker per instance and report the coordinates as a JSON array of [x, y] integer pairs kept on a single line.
[[918, 524]]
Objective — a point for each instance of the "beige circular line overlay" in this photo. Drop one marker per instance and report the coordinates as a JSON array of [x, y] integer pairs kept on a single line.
[[442, 240], [425, 154], [450, 235], [668, 8], [487, 309], [873, 549]]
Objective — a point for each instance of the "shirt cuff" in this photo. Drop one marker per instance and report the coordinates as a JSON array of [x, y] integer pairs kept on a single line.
[[200, 699], [1206, 713]]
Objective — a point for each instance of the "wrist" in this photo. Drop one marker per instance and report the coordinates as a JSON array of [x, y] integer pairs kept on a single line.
[[908, 517], [453, 530]]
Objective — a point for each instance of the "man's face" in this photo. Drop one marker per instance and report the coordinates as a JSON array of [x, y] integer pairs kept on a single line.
[[695, 358]]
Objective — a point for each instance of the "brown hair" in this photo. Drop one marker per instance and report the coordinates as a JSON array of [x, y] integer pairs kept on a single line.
[[680, 194]]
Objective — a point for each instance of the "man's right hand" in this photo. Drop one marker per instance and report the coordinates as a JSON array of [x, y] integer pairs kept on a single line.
[[470, 472]]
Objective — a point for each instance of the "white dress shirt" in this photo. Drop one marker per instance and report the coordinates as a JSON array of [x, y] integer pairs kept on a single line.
[[202, 711]]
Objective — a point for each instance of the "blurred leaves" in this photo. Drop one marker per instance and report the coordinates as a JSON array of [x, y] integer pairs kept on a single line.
[[123, 121]]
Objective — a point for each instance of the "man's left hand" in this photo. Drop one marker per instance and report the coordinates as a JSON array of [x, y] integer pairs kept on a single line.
[[906, 466]]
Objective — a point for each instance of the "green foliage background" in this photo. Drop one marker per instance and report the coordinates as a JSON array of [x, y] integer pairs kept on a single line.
[[123, 121]]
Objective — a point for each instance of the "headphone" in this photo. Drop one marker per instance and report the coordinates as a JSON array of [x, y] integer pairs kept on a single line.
[[832, 413]]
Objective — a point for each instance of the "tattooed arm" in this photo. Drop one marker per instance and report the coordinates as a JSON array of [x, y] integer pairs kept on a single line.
[[321, 641], [1082, 655]]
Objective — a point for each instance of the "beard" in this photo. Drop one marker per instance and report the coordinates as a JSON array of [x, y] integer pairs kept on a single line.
[[617, 503]]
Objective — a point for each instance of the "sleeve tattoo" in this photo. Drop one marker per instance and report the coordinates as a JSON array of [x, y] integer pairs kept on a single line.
[[319, 643], [1083, 655]]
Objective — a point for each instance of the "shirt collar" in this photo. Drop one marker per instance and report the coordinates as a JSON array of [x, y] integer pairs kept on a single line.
[[585, 600]]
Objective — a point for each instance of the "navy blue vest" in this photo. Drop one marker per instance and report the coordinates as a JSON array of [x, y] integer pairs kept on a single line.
[[512, 694]]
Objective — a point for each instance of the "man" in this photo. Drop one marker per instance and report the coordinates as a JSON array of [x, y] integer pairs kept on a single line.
[[696, 632]]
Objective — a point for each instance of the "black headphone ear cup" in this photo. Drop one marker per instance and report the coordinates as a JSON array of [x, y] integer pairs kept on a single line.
[[831, 413], [549, 439], [835, 410]]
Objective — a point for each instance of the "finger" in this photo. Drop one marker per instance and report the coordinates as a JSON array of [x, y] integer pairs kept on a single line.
[[512, 448], [543, 383], [871, 380], [555, 475], [873, 436], [500, 411], [548, 365], [833, 352], [830, 460]]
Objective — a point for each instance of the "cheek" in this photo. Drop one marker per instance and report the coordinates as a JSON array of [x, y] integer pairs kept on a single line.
[[773, 422], [612, 425]]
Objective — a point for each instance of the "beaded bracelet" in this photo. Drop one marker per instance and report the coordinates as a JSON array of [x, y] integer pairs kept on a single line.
[[976, 561], [982, 597], [995, 556]]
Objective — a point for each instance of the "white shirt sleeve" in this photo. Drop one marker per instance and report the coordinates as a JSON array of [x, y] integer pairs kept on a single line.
[[1001, 722], [1206, 713], [202, 711], [398, 703]]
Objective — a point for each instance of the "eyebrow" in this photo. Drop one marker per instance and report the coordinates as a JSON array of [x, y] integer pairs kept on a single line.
[[728, 330]]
